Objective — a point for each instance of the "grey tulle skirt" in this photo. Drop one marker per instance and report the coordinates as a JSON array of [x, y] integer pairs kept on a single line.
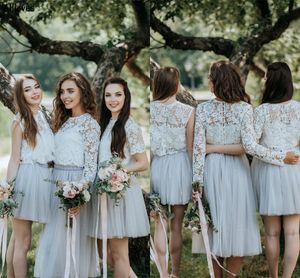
[[32, 192], [277, 188], [229, 191], [171, 178], [51, 254], [127, 219]]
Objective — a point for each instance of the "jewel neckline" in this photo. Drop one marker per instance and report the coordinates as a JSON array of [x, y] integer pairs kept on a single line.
[[77, 117], [167, 104]]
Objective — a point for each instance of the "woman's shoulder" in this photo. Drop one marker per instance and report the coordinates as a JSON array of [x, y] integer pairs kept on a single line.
[[131, 124], [89, 122]]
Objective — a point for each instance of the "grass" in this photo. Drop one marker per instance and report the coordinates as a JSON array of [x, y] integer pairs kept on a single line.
[[195, 265]]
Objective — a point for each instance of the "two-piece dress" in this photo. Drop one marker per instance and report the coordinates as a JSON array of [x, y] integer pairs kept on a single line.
[[171, 169], [226, 178], [76, 150], [277, 188], [129, 218], [32, 186]]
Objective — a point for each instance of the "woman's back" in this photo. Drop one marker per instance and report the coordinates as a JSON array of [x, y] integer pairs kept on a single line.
[[278, 125]]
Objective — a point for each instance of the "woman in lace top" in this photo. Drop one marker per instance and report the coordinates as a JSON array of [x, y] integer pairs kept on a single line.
[[276, 123], [171, 135], [77, 136], [32, 149], [228, 120], [121, 135]]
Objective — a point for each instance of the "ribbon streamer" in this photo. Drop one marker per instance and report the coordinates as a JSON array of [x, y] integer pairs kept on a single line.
[[204, 231], [154, 256], [70, 247], [3, 241], [153, 252], [104, 233]]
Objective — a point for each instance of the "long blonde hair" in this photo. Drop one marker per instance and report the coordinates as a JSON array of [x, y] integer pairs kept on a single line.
[[30, 125]]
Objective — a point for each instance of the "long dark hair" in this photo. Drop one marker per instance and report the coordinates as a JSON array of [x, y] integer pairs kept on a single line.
[[118, 132], [165, 83], [61, 114], [30, 125], [279, 83], [227, 82]]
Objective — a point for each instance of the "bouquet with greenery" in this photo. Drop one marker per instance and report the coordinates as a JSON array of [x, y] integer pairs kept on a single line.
[[7, 203], [156, 208], [192, 217], [72, 193], [112, 179]]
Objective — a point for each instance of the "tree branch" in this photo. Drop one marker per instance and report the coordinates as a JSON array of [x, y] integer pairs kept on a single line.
[[142, 21], [264, 9], [218, 45], [86, 50], [274, 32], [137, 72]]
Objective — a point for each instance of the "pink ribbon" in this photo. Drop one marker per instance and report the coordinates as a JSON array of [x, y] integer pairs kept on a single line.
[[104, 233], [96, 232], [154, 256], [153, 252], [204, 231], [3, 241], [70, 247]]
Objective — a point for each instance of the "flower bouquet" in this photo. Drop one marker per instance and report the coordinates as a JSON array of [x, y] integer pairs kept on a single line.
[[112, 179], [7, 203], [156, 208], [72, 193], [192, 217]]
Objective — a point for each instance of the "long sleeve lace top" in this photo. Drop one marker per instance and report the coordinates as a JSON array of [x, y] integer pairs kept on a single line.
[[277, 126], [168, 127], [76, 144], [218, 122]]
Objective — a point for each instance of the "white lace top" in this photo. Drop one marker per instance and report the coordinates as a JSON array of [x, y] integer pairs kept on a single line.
[[168, 127], [277, 126], [76, 144], [218, 122], [134, 141], [44, 149]]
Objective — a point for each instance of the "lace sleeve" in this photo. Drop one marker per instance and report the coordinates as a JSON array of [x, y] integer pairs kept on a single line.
[[259, 120], [134, 138], [91, 135], [199, 147], [251, 146]]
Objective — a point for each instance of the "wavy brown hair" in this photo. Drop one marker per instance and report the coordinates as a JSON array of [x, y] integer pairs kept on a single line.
[[61, 114], [279, 83], [30, 125], [118, 132], [227, 82], [165, 83]]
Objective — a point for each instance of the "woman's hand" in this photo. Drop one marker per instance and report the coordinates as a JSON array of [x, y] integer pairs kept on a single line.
[[197, 194], [291, 158], [74, 211]]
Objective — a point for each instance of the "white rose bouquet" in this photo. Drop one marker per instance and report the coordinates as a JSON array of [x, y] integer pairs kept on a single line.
[[112, 179], [7, 203], [72, 193]]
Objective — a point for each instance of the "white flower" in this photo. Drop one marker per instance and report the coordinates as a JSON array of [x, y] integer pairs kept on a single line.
[[104, 173], [116, 186], [86, 195]]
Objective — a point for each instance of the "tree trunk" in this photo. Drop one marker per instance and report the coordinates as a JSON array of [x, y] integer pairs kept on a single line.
[[6, 86], [110, 65]]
